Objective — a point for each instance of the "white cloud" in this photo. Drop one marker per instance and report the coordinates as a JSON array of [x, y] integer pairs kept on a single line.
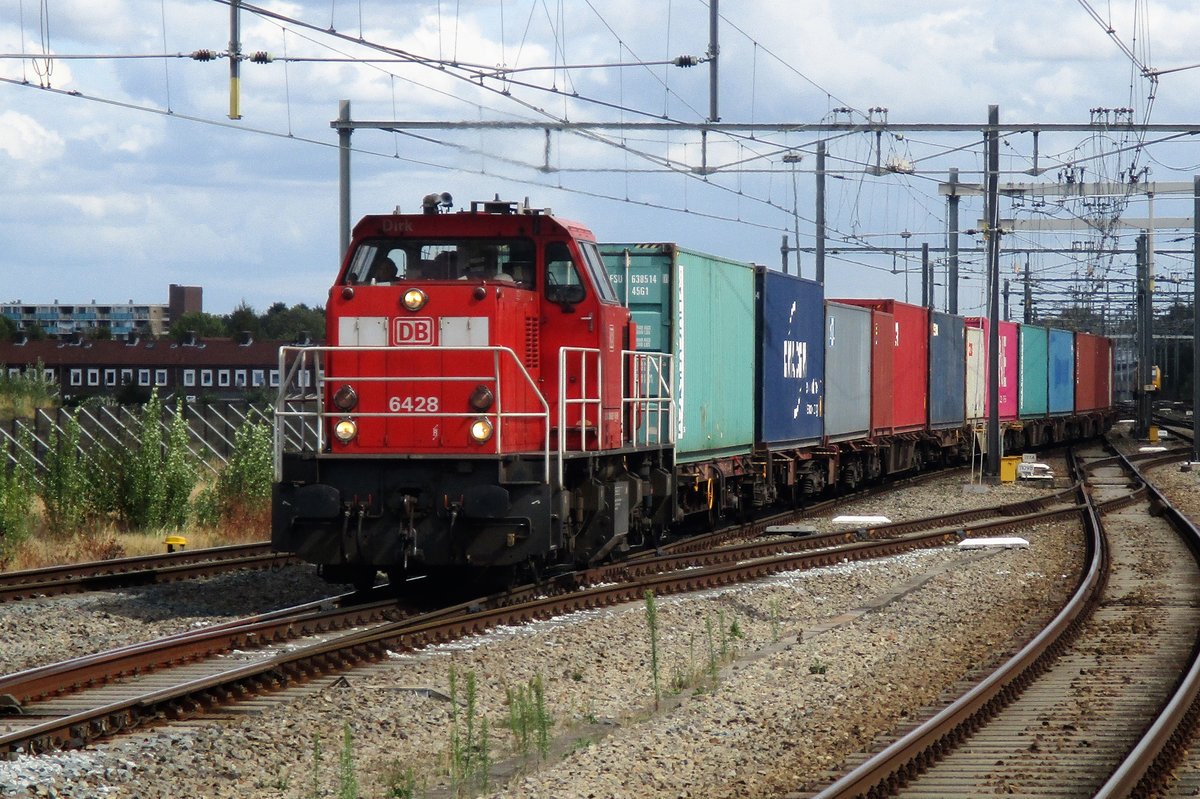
[[118, 207], [110, 136], [26, 140]]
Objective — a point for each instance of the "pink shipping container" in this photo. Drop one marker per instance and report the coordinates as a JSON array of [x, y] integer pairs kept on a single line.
[[977, 369], [1093, 372], [908, 387]]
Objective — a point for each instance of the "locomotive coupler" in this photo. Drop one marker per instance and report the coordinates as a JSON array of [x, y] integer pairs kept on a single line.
[[452, 510]]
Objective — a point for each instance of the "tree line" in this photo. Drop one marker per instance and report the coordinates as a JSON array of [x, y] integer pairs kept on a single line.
[[279, 322]]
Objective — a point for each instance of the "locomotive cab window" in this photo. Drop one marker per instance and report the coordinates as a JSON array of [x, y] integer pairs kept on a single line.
[[564, 285], [599, 275], [388, 261], [377, 264]]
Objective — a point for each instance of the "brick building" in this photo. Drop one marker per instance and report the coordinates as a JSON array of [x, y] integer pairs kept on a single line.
[[219, 368]]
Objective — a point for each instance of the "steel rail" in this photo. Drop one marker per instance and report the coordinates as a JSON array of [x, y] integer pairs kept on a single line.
[[58, 679], [910, 754], [1159, 749], [133, 571]]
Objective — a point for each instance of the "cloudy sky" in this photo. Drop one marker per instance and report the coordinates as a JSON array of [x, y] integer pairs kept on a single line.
[[121, 173]]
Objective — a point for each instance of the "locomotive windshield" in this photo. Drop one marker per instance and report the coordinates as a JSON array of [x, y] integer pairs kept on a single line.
[[391, 260]]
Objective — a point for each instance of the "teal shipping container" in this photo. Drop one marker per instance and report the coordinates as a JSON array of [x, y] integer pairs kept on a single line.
[[701, 310], [1033, 387]]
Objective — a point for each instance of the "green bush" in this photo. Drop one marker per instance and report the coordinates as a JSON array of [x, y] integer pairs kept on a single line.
[[16, 494], [66, 487], [22, 394], [528, 718], [242, 492], [179, 473], [156, 476], [470, 741]]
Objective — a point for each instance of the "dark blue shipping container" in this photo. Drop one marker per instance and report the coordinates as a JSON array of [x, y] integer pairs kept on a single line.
[[947, 370], [1062, 371], [791, 360]]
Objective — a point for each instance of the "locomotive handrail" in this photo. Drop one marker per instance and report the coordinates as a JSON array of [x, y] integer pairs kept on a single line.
[[303, 369], [299, 356], [657, 374], [584, 401], [651, 369]]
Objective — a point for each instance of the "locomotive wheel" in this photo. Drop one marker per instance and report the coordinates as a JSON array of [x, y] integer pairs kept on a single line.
[[397, 577], [363, 580]]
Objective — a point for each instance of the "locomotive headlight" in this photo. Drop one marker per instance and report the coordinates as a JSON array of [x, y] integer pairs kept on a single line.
[[345, 398], [482, 398], [414, 299], [345, 430], [481, 430]]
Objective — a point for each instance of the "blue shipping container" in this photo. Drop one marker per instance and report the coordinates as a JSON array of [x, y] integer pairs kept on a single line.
[[947, 370], [1062, 371], [791, 359]]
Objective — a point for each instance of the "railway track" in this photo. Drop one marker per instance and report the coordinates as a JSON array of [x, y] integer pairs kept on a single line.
[[130, 572], [106, 575], [146, 684], [1095, 704]]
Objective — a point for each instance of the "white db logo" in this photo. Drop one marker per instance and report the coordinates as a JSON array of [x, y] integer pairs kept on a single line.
[[414, 331]]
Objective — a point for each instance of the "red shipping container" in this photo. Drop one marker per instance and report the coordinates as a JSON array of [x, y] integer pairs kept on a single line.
[[909, 390], [1104, 372], [882, 327], [1009, 373], [1093, 372]]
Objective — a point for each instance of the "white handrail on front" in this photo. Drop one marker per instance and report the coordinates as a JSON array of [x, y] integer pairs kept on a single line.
[[294, 363], [301, 413]]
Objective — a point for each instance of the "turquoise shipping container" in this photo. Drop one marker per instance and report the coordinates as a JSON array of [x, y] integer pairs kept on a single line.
[[1033, 381], [700, 309]]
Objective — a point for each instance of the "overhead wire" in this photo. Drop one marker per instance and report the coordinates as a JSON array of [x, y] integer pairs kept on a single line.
[[748, 143]]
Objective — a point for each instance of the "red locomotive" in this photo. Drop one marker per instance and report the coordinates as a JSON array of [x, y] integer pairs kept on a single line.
[[477, 403]]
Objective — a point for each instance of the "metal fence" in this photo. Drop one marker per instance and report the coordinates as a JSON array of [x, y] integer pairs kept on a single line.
[[211, 429]]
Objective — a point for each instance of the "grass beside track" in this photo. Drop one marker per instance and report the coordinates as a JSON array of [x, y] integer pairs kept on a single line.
[[45, 550]]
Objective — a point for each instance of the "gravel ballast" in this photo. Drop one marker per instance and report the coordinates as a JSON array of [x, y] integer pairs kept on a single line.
[[763, 688]]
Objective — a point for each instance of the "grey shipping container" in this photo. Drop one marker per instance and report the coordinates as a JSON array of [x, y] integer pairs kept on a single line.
[[791, 359], [701, 310], [947, 370], [847, 371]]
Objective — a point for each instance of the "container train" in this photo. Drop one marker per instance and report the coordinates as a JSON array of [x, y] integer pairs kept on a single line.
[[498, 392]]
